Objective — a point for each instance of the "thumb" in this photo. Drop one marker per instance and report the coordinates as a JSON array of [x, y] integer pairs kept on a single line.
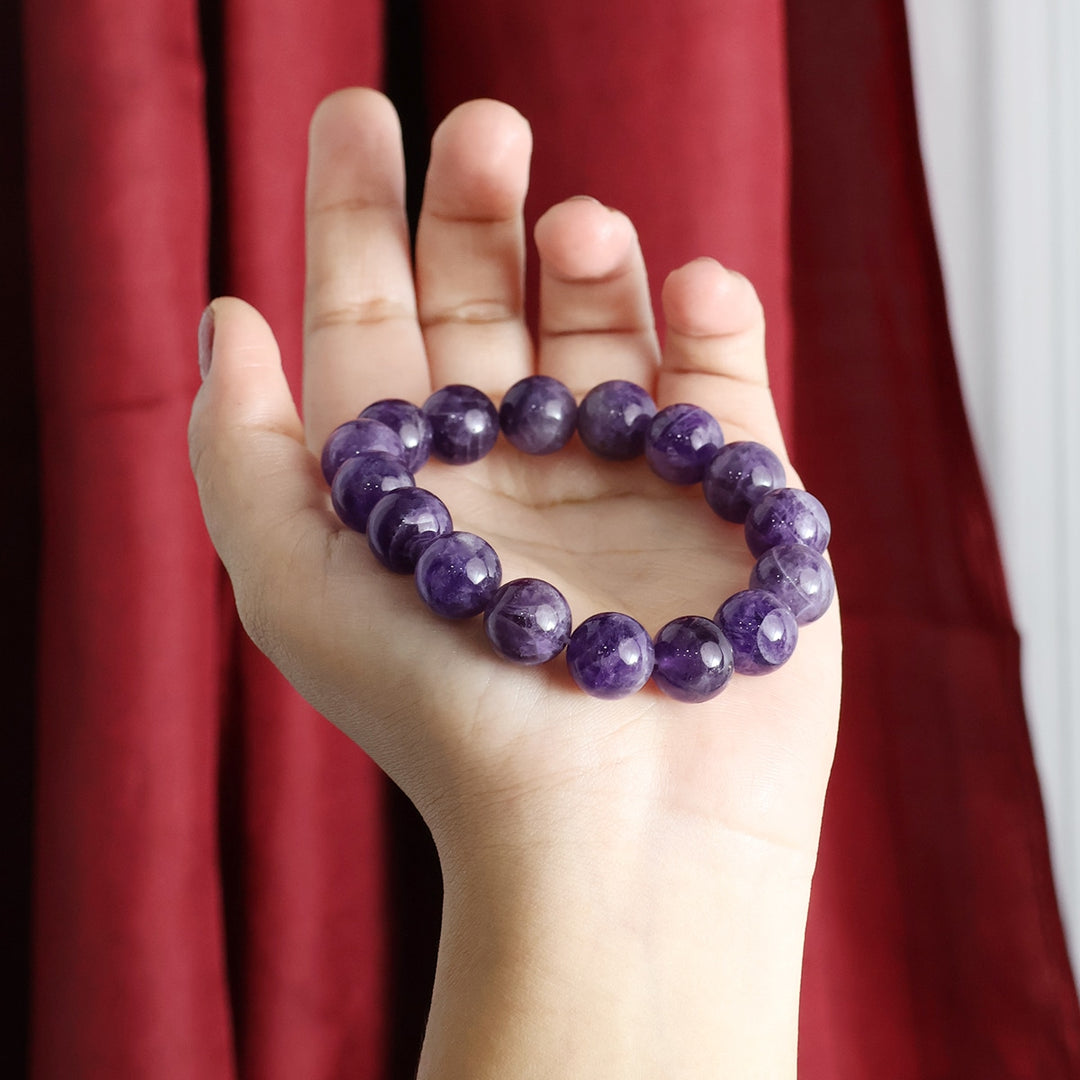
[[259, 486]]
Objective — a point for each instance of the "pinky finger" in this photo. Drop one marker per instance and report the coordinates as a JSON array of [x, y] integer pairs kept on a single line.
[[714, 352]]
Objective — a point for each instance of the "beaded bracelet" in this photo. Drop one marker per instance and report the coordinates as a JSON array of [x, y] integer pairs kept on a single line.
[[369, 463]]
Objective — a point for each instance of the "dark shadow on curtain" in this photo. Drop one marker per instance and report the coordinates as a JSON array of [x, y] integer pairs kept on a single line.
[[18, 549], [415, 881]]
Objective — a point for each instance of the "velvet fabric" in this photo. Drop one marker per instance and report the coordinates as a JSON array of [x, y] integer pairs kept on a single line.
[[223, 885]]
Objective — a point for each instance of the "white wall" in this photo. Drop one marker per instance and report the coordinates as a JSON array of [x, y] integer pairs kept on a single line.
[[998, 93]]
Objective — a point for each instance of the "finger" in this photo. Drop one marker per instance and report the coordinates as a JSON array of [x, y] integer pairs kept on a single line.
[[362, 341], [714, 351], [596, 319], [258, 484], [470, 248]]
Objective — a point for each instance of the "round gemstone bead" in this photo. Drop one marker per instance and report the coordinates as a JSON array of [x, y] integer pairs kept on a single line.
[[360, 436], [538, 414], [610, 655], [694, 660], [680, 443], [739, 476], [528, 621], [464, 424], [402, 524], [457, 575], [762, 631], [787, 516], [613, 419], [410, 424], [799, 577], [362, 481]]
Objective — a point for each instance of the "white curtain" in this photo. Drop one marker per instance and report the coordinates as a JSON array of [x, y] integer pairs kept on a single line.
[[998, 92]]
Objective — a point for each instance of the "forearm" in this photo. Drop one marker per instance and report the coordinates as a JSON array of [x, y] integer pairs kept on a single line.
[[672, 953]]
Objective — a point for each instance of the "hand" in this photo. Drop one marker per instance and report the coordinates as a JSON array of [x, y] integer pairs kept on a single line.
[[502, 758]]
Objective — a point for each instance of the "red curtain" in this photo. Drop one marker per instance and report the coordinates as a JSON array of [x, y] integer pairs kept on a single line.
[[222, 886]]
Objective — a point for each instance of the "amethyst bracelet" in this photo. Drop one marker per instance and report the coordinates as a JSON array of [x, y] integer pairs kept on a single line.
[[370, 464]]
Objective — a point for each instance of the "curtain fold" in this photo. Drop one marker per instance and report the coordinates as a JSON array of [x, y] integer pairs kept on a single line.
[[309, 913], [128, 959], [934, 947], [222, 887]]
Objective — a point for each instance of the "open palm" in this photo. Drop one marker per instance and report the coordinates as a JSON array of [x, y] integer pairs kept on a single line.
[[468, 736]]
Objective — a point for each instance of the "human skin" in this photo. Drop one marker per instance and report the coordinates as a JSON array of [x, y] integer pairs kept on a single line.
[[626, 882]]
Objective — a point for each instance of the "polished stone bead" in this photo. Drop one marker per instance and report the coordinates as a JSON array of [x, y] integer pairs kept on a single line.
[[610, 655], [680, 443], [361, 436], [740, 475], [528, 621], [457, 575], [694, 660], [613, 419], [762, 631], [787, 516], [411, 425], [402, 524], [362, 481], [464, 424], [538, 414], [799, 577]]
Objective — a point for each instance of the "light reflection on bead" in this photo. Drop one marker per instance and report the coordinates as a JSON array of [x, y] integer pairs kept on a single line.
[[464, 424], [694, 660], [457, 575], [528, 621], [799, 577], [762, 631], [613, 419], [787, 516], [402, 524], [681, 441], [610, 655]]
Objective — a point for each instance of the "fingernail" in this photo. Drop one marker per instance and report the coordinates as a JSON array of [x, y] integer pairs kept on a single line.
[[206, 340]]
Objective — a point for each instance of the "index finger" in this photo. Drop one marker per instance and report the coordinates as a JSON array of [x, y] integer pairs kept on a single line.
[[362, 340]]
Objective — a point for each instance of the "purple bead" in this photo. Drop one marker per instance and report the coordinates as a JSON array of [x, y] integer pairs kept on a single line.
[[694, 660], [740, 475], [610, 655], [787, 516], [457, 575], [799, 577], [528, 621], [464, 424], [361, 436], [613, 419], [411, 425], [361, 482], [538, 414], [680, 443], [762, 631], [402, 524]]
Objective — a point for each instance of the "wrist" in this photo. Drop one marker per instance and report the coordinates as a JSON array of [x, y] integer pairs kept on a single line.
[[649, 946]]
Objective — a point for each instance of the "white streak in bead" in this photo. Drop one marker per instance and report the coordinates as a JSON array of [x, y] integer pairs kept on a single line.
[[772, 627], [546, 617], [712, 656]]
